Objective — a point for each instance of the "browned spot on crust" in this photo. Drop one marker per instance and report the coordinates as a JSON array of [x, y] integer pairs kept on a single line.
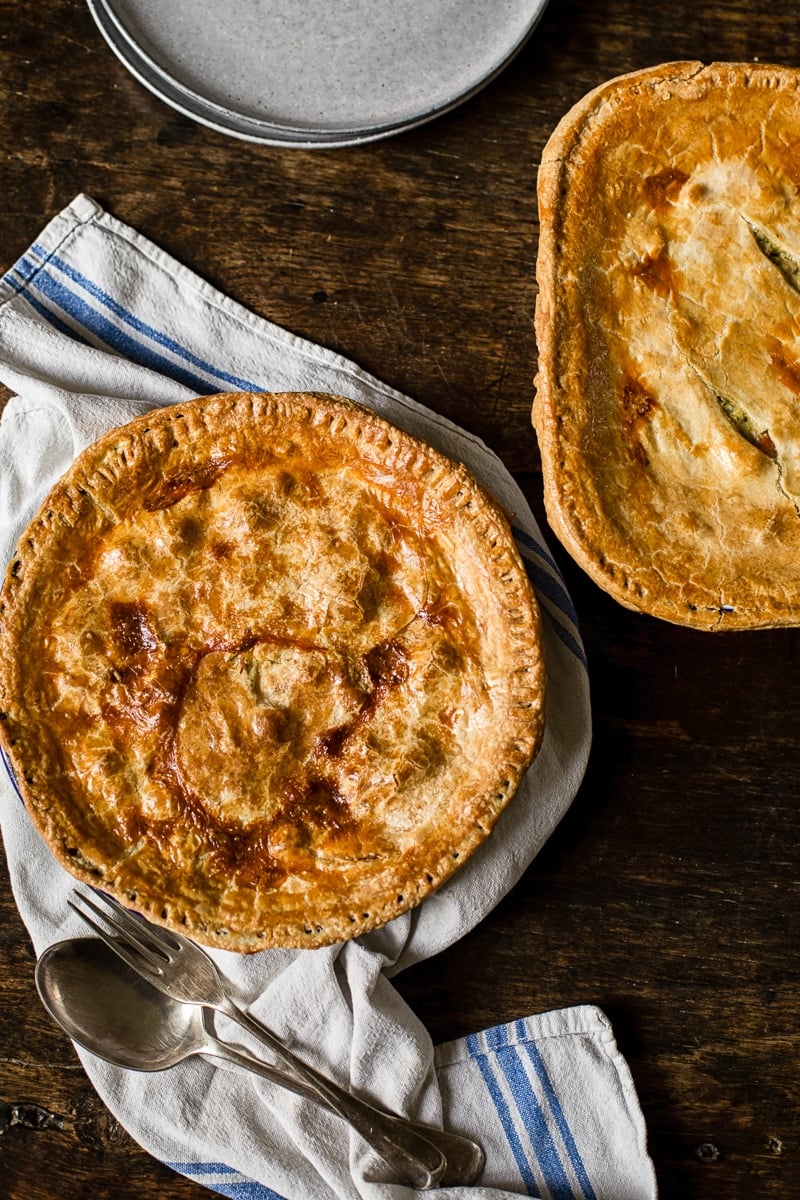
[[315, 802], [662, 188], [130, 629], [656, 271], [195, 477], [387, 664], [637, 404], [387, 667], [787, 371]]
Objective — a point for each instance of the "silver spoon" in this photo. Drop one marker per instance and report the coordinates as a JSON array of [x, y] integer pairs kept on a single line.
[[106, 1007]]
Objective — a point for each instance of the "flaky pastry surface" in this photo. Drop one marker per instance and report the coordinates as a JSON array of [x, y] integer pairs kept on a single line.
[[270, 669], [668, 327]]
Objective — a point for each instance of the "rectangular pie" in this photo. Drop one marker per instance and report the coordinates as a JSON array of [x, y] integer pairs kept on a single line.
[[668, 327]]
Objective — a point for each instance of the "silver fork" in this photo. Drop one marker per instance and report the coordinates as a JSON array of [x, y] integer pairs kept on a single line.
[[181, 969]]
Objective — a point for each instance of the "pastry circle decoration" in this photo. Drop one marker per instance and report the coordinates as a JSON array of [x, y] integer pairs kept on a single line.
[[270, 668]]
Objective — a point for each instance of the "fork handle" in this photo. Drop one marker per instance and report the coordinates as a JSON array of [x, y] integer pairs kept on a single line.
[[465, 1158], [410, 1155]]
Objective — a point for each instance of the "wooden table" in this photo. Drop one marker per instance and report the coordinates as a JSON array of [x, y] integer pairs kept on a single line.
[[669, 894]]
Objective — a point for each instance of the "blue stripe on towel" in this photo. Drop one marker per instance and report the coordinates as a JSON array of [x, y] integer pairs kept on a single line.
[[51, 317], [568, 639], [26, 269], [549, 589], [202, 1168], [552, 587], [240, 1188], [246, 1189], [129, 318], [504, 1113], [570, 1145], [535, 1123], [106, 331], [509, 1059], [9, 770], [538, 547]]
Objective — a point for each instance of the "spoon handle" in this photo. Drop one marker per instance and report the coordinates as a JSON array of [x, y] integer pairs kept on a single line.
[[464, 1158], [412, 1157]]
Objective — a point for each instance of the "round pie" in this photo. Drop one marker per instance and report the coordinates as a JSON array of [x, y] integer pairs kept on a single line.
[[270, 668]]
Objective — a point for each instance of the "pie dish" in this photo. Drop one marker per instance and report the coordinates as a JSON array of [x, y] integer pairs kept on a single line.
[[270, 668], [668, 327]]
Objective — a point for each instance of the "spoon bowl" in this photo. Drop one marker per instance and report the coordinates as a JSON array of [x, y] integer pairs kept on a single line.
[[108, 1009]]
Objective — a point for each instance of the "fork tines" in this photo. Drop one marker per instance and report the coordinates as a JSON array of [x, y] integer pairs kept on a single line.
[[128, 934]]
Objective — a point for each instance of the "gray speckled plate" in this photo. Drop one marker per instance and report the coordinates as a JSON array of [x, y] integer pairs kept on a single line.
[[311, 73]]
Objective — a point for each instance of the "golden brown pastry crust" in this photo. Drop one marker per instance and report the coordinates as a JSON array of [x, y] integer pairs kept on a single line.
[[668, 328], [270, 668]]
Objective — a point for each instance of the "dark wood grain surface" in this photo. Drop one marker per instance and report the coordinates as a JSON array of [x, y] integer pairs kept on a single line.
[[669, 894]]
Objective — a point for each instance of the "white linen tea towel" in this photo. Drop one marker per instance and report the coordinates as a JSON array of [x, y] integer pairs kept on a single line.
[[97, 325]]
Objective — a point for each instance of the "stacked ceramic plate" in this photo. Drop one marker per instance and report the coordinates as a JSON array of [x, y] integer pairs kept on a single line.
[[310, 73]]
